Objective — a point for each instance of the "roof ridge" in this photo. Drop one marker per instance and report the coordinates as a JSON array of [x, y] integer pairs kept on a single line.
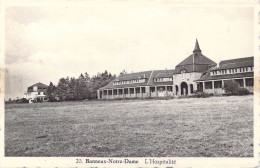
[[150, 78], [237, 59]]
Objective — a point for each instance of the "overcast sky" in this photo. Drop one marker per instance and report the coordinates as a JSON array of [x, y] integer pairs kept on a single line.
[[44, 44]]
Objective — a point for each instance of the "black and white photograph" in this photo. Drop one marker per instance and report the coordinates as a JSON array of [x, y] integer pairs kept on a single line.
[[130, 83]]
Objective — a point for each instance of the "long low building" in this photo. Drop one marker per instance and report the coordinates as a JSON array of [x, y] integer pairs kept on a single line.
[[195, 73], [240, 70]]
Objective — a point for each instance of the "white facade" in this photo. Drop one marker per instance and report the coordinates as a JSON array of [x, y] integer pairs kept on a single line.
[[35, 94]]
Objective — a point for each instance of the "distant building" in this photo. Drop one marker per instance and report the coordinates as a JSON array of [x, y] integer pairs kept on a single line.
[[36, 92], [195, 73]]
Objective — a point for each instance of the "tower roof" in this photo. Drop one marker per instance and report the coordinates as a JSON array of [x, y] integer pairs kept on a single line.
[[196, 62], [197, 47]]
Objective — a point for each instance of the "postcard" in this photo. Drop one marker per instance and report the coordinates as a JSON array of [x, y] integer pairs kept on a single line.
[[129, 83]]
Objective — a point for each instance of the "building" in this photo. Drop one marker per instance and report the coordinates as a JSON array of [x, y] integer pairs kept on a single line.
[[36, 92], [240, 70], [195, 73]]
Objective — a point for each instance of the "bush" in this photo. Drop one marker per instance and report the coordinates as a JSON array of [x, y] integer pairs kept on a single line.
[[202, 95], [242, 91], [231, 87], [23, 100]]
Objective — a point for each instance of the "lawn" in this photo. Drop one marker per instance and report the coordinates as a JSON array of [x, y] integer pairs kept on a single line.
[[191, 127]]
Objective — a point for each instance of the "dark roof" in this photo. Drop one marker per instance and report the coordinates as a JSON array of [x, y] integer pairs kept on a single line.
[[39, 85], [197, 47], [136, 75], [147, 75], [195, 63], [237, 63], [207, 76], [161, 73]]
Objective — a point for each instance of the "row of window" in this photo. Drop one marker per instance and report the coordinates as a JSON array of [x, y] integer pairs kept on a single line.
[[218, 84], [39, 93], [137, 90], [162, 79], [129, 81], [232, 71]]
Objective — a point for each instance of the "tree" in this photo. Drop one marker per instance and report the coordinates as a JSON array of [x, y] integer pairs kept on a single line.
[[231, 87], [50, 92], [62, 88], [98, 81]]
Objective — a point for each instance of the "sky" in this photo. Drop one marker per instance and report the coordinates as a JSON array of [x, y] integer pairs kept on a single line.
[[45, 43]]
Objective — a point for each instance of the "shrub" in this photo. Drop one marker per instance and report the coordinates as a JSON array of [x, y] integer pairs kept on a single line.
[[231, 87], [23, 100], [202, 94], [242, 91]]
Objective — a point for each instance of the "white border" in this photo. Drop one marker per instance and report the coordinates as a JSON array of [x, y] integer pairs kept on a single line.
[[181, 161]]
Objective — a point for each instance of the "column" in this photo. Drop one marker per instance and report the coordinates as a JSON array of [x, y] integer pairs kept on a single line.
[[134, 92], [222, 84], [112, 93], [213, 86], [141, 94], [195, 87], [156, 93], [188, 89], [98, 94], [203, 86], [147, 91], [166, 91], [244, 82], [123, 92], [107, 94], [128, 92], [117, 93]]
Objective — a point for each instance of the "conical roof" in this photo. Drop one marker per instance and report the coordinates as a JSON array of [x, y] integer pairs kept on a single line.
[[196, 62], [197, 47]]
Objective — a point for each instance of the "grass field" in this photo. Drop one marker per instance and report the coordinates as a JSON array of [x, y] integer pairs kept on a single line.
[[192, 127]]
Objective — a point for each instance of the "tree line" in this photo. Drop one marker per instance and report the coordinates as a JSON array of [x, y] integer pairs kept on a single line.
[[83, 87]]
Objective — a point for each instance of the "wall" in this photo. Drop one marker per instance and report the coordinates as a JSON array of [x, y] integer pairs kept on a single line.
[[189, 78]]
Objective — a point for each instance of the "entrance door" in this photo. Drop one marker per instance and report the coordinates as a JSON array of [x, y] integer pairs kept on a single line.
[[184, 88]]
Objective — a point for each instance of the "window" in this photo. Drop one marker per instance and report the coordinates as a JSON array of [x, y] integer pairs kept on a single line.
[[250, 82], [152, 89], [137, 90], [39, 93], [240, 82], [183, 71], [169, 88], [131, 90], [217, 84], [126, 91], [143, 89], [208, 85]]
